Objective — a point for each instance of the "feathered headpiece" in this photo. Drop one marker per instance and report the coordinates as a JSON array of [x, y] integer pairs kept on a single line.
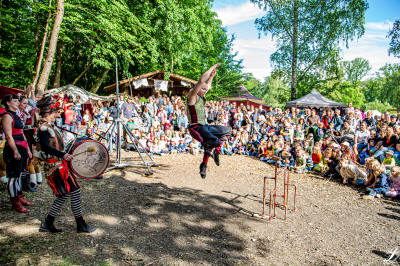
[[47, 105]]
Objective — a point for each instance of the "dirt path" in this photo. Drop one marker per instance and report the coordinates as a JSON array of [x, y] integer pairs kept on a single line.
[[178, 218]]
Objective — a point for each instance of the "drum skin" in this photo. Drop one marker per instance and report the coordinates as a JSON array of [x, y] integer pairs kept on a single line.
[[88, 164]]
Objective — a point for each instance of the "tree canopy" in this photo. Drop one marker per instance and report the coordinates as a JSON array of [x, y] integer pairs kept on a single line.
[[306, 32], [183, 37]]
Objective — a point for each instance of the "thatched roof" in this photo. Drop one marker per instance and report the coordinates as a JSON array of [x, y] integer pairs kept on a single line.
[[159, 74]]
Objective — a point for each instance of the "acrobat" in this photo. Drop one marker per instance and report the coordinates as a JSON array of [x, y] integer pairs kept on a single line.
[[208, 135]]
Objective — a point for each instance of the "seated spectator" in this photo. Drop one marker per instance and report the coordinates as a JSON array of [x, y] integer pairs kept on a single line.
[[351, 172], [298, 134], [181, 146], [194, 147], [389, 161], [394, 183], [347, 133], [378, 183]]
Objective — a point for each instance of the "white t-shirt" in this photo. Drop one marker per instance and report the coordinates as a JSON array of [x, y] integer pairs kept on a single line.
[[362, 137]]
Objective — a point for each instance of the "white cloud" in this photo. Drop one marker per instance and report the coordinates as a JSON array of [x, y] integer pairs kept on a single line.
[[373, 46], [255, 54], [382, 26], [232, 15]]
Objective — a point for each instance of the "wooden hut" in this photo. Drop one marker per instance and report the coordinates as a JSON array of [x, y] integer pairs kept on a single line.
[[176, 84], [246, 98]]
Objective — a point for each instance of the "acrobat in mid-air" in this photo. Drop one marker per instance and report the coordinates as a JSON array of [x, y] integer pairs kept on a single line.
[[208, 135]]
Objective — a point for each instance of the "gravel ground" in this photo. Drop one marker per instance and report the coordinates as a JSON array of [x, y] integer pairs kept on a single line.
[[176, 217]]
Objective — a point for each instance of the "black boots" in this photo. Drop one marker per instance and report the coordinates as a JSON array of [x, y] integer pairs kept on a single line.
[[83, 227], [48, 225], [203, 170], [215, 156]]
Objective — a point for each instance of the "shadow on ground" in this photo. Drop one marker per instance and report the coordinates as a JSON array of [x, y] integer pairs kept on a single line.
[[138, 223]]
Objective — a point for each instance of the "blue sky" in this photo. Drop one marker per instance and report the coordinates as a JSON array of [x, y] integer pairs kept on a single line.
[[238, 17]]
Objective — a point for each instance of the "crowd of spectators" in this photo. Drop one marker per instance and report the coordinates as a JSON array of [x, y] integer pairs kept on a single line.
[[347, 144]]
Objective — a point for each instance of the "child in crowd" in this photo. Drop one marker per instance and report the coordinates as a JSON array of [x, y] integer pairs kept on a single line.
[[346, 149], [226, 148], [252, 146], [286, 157], [316, 157], [298, 133], [164, 144], [333, 170], [301, 161], [389, 161], [143, 143], [351, 172], [261, 148], [394, 180], [367, 151], [182, 146], [173, 146], [154, 147], [194, 147], [268, 151], [378, 183], [308, 147]]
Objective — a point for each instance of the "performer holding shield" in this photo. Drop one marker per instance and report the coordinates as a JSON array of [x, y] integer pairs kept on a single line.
[[208, 135], [50, 149]]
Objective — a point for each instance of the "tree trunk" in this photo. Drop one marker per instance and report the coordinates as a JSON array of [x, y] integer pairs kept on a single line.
[[57, 78], [99, 81], [172, 63], [44, 77], [83, 73], [294, 52], [40, 57]]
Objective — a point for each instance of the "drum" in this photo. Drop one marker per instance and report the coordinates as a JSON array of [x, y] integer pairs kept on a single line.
[[91, 158]]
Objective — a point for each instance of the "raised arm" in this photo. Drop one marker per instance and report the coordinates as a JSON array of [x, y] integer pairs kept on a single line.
[[204, 83]]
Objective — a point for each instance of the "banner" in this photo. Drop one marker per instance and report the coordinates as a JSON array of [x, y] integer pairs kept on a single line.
[[161, 85], [140, 83]]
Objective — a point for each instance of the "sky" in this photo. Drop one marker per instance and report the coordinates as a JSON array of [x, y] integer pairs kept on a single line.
[[238, 17]]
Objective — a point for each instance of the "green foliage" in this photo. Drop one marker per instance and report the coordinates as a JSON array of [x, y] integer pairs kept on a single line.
[[253, 85], [356, 69], [277, 92], [394, 35], [273, 90], [229, 74], [384, 88], [20, 31], [378, 105], [346, 92], [307, 32], [182, 37]]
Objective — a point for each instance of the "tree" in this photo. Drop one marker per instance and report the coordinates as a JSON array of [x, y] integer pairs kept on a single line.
[[229, 74], [253, 85], [356, 69], [173, 35], [306, 31], [394, 35], [19, 32], [39, 59], [391, 85], [44, 77], [277, 93]]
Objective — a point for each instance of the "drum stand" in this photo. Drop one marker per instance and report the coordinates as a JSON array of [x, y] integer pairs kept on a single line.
[[119, 123]]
